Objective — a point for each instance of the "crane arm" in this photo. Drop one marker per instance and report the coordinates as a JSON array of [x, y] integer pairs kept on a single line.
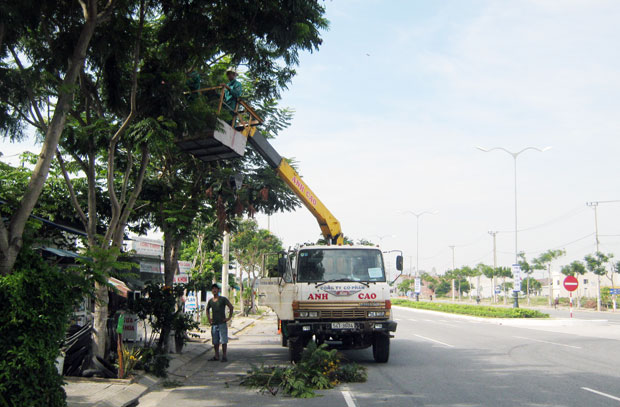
[[330, 226], [223, 144]]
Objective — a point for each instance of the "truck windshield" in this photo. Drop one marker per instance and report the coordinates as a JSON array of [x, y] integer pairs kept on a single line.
[[316, 265]]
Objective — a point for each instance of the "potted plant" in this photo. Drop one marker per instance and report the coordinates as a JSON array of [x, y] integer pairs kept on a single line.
[[182, 323]]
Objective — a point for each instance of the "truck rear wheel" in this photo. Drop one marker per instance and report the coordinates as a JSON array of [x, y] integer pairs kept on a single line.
[[381, 348], [295, 348]]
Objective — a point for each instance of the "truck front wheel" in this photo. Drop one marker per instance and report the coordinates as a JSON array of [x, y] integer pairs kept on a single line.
[[381, 348], [295, 348]]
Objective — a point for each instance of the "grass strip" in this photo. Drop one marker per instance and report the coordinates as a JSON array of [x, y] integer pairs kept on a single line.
[[474, 310]]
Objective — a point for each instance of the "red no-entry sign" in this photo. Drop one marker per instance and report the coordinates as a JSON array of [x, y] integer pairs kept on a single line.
[[571, 283]]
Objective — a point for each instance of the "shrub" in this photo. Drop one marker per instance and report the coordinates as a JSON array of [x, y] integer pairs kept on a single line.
[[154, 360], [36, 300], [475, 310]]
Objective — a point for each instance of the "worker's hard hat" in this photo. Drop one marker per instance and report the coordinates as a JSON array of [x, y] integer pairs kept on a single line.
[[232, 69]]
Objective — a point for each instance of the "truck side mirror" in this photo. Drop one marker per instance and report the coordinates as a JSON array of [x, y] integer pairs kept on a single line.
[[399, 263], [281, 266]]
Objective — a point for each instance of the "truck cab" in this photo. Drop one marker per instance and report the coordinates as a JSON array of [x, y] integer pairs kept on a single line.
[[337, 295]]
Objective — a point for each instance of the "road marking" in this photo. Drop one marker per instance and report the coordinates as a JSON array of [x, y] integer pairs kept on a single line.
[[550, 343], [412, 320], [434, 340], [600, 393], [348, 398]]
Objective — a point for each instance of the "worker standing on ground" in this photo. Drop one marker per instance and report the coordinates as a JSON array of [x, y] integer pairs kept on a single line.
[[219, 329], [233, 89]]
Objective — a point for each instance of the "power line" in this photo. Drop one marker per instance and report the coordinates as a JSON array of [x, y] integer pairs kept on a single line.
[[567, 215]]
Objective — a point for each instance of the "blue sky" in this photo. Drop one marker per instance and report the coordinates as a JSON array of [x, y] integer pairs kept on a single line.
[[390, 109]]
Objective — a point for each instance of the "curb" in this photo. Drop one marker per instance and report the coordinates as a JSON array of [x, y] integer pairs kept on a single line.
[[142, 384], [513, 321]]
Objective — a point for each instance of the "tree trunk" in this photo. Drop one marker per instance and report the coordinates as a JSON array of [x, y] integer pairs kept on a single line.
[[505, 292], [11, 237], [598, 292], [172, 246], [550, 285], [100, 320], [528, 290]]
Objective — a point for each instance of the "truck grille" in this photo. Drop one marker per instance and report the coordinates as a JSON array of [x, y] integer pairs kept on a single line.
[[344, 310], [343, 313]]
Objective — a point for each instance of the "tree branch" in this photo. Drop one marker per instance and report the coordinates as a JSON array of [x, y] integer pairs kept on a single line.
[[106, 12], [80, 162], [72, 195], [116, 206], [127, 174], [33, 101], [24, 116], [133, 197]]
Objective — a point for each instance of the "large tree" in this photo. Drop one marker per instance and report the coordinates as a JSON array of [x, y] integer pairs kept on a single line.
[[544, 262], [256, 251], [43, 46], [528, 269], [131, 104], [597, 263]]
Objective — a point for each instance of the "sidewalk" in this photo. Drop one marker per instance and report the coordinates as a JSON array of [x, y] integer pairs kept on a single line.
[[96, 392], [217, 384]]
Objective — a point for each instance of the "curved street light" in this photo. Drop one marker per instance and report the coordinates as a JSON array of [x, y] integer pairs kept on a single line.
[[515, 155]]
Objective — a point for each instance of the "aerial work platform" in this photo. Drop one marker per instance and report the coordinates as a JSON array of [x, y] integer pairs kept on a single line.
[[225, 140]]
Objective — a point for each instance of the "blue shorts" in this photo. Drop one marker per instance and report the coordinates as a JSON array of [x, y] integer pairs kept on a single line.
[[219, 333]]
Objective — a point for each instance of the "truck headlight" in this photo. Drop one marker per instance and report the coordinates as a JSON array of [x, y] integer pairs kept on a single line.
[[303, 314], [374, 314], [313, 314]]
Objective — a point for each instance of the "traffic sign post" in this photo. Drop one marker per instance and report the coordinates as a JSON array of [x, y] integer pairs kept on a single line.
[[571, 284]]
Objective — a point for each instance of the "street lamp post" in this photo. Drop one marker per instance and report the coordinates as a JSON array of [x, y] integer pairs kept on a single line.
[[515, 155], [417, 233]]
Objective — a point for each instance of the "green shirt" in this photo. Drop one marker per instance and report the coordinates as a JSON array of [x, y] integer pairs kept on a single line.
[[230, 96], [219, 309]]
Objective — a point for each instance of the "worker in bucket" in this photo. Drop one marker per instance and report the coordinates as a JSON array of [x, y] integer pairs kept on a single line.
[[233, 89]]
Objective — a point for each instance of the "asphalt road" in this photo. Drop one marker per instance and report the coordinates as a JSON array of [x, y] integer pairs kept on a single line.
[[436, 360]]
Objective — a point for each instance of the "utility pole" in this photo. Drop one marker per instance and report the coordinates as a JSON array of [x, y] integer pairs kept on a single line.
[[452, 247], [225, 262], [594, 204], [494, 234], [598, 278]]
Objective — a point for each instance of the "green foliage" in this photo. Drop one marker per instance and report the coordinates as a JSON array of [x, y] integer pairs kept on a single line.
[[250, 246], [182, 323], [475, 310], [318, 369], [405, 285], [576, 267], [595, 263], [365, 242], [36, 301], [443, 288], [154, 360], [534, 286], [547, 257], [131, 357], [158, 307]]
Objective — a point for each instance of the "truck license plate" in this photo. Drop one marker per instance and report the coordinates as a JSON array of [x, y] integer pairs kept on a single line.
[[343, 325]]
